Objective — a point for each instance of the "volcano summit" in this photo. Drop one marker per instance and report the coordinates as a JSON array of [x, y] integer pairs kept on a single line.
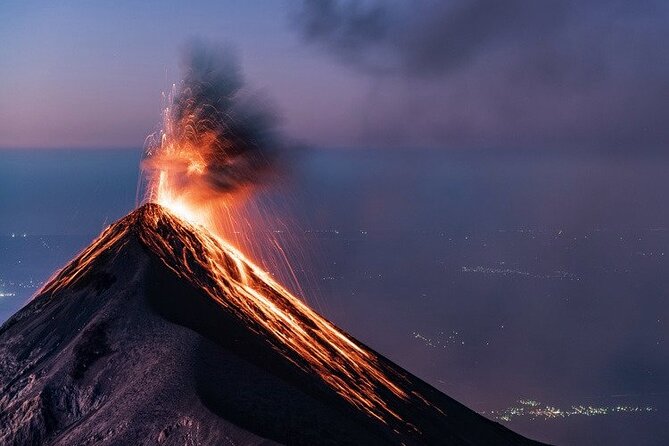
[[161, 333]]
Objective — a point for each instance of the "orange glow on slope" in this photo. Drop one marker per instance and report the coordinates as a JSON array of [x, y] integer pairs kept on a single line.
[[252, 294], [305, 338]]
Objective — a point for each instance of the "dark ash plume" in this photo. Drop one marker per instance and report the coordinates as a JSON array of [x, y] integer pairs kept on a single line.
[[217, 137], [423, 38], [503, 73]]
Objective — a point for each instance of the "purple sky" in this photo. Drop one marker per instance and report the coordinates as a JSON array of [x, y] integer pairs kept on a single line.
[[476, 74]]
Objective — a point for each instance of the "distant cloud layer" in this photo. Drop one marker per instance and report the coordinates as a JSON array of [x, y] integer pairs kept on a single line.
[[519, 73]]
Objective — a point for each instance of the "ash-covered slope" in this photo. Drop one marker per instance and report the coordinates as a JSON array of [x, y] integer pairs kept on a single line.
[[160, 333]]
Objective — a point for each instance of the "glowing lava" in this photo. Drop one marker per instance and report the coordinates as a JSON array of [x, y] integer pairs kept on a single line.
[[293, 329]]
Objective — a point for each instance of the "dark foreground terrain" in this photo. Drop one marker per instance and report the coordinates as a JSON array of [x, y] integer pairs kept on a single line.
[[120, 349]]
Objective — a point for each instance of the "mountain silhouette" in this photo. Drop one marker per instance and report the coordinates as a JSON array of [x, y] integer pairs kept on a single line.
[[161, 333]]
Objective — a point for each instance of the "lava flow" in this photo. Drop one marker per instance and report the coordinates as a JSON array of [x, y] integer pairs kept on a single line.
[[224, 274], [249, 292]]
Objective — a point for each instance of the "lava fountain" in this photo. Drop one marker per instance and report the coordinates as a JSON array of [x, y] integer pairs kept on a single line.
[[216, 143]]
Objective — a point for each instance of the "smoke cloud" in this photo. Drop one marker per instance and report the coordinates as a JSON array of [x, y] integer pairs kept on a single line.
[[503, 72], [217, 136], [425, 38]]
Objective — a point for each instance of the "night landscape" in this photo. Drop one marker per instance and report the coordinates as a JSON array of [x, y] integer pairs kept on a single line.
[[334, 222]]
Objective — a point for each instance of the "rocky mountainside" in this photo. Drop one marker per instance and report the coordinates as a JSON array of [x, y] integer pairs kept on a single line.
[[160, 333]]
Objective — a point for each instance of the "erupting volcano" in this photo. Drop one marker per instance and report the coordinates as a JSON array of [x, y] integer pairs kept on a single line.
[[162, 332]]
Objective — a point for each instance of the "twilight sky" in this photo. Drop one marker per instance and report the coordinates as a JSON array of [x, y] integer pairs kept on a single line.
[[450, 74]]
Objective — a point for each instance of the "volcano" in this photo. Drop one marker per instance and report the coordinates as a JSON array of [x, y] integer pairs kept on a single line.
[[161, 333]]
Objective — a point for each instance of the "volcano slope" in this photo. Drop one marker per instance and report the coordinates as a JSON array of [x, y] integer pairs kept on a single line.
[[160, 333]]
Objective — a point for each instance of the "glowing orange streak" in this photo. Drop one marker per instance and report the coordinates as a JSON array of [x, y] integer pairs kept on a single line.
[[231, 280], [85, 259], [326, 350]]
